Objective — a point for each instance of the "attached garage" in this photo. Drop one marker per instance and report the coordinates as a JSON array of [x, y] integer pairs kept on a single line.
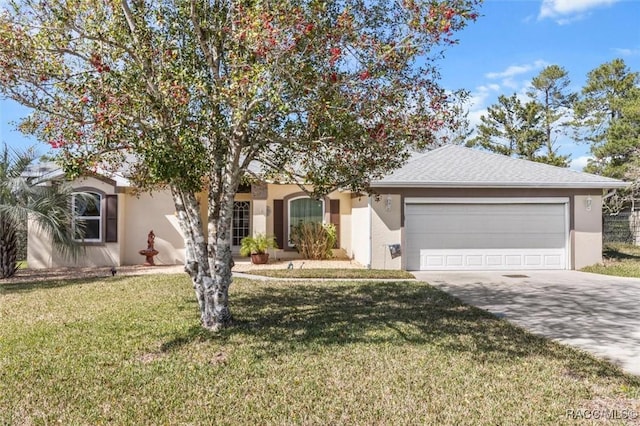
[[455, 208], [486, 233]]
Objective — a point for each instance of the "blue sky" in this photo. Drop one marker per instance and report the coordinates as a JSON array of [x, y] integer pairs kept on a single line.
[[500, 53], [515, 39]]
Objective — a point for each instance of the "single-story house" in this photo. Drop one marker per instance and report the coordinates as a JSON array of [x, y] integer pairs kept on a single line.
[[449, 208]]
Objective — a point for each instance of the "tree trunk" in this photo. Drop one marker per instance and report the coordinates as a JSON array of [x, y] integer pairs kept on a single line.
[[211, 289], [223, 262], [8, 248]]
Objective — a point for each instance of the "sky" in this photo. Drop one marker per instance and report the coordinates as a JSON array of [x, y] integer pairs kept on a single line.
[[514, 40], [499, 54]]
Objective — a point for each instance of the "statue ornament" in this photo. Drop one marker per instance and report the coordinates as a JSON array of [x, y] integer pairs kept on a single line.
[[150, 251]]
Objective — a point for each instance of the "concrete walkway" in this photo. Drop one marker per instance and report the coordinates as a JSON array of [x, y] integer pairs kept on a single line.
[[597, 313]]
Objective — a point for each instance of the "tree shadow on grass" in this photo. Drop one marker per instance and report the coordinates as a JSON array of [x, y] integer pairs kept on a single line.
[[277, 317], [28, 286], [614, 252]]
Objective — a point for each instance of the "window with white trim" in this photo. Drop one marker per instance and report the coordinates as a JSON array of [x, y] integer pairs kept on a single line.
[[87, 219], [302, 210]]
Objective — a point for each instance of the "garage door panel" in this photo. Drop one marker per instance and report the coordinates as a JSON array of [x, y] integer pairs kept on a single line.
[[491, 259], [486, 241], [485, 236]]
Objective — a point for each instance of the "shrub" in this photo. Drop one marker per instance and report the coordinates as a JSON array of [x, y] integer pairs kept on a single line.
[[313, 240], [258, 244]]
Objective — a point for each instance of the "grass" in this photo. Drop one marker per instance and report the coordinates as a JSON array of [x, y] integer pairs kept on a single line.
[[620, 259], [128, 350], [333, 273]]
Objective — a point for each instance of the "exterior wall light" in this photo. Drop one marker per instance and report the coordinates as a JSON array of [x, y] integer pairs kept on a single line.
[[587, 203], [389, 203]]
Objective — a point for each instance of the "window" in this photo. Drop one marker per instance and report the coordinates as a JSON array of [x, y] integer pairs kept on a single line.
[[87, 221], [304, 209], [241, 221]]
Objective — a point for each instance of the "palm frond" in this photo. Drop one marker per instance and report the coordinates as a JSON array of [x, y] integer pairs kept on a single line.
[[47, 204]]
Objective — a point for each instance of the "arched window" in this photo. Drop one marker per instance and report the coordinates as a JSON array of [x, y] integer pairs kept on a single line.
[[304, 209], [87, 220]]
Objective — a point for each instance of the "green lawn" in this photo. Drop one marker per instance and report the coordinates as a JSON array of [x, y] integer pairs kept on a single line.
[[129, 350], [622, 260], [333, 273]]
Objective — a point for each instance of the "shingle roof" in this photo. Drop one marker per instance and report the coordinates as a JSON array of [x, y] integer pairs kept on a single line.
[[46, 171], [456, 166]]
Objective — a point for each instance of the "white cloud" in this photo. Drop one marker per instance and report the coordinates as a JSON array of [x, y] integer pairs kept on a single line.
[[510, 83], [579, 163], [509, 72], [514, 70], [561, 9], [626, 52]]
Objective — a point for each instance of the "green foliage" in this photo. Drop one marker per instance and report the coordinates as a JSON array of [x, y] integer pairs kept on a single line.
[[511, 128], [618, 155], [550, 89], [314, 240], [189, 95], [258, 244], [529, 130], [606, 118], [601, 99], [24, 195], [329, 93]]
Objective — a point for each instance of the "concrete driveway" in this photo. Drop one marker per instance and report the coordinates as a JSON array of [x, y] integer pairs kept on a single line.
[[597, 313]]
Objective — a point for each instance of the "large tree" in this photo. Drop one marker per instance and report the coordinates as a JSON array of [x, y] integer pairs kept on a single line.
[[24, 195], [189, 93], [601, 99], [619, 155], [603, 113], [511, 128], [550, 89]]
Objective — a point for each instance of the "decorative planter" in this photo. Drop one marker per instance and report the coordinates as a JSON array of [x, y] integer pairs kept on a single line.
[[259, 258]]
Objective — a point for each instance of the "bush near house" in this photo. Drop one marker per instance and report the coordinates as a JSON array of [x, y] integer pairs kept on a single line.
[[314, 240]]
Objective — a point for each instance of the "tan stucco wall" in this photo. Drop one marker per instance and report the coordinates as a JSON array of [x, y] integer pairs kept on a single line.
[[360, 230], [38, 247], [151, 212], [585, 227], [138, 214], [263, 214], [40, 253], [385, 230], [136, 217], [586, 235]]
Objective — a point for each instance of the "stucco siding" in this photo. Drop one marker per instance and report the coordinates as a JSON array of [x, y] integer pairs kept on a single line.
[[152, 212], [263, 215], [385, 230], [585, 227], [39, 247], [586, 235], [360, 230], [41, 254]]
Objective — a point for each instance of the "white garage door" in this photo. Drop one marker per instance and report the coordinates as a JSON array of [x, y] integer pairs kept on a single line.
[[491, 234]]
